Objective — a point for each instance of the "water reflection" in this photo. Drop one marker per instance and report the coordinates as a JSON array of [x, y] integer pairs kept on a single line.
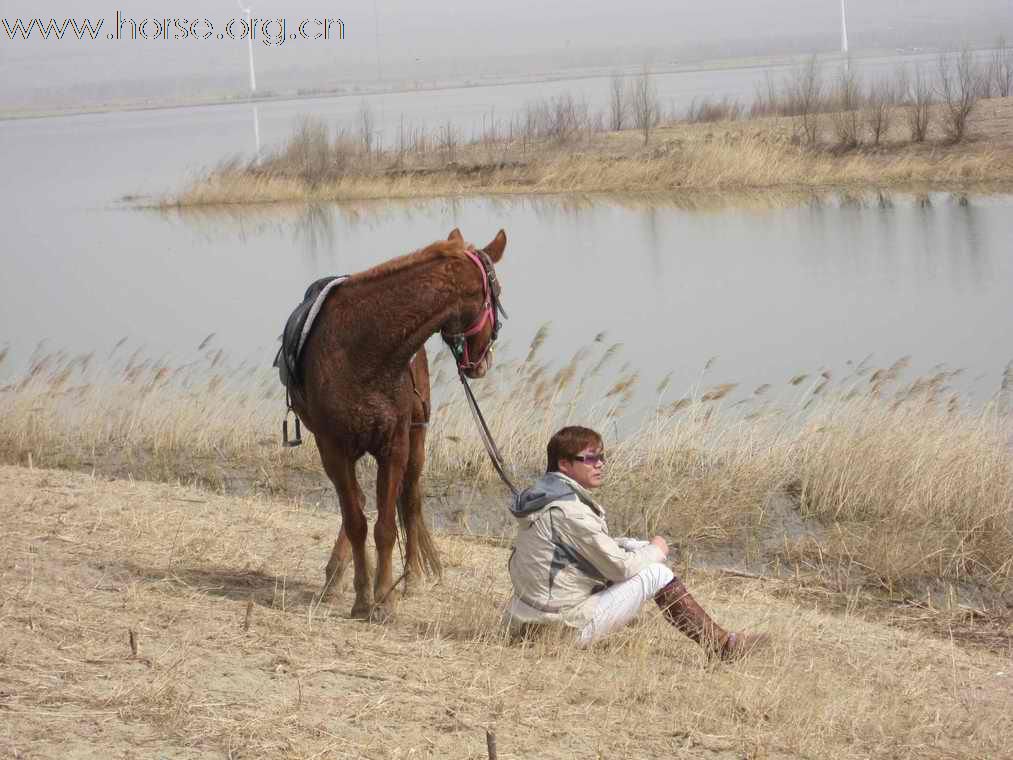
[[971, 232], [773, 284], [904, 237], [314, 232]]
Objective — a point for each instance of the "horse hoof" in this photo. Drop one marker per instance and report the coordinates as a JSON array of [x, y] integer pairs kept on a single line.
[[361, 611], [381, 613], [333, 586], [327, 595]]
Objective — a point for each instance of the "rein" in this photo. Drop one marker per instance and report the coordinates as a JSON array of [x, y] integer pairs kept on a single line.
[[486, 436], [458, 345]]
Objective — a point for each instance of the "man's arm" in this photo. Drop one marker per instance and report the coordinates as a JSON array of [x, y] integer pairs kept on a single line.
[[584, 534]]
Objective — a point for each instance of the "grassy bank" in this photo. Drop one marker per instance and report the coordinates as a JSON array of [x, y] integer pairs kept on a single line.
[[158, 620], [543, 155], [945, 126], [868, 481]]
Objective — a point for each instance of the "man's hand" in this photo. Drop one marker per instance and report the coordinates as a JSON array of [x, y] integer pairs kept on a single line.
[[661, 544]]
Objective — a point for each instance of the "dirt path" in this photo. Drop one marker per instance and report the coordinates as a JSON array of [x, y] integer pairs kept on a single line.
[[233, 658]]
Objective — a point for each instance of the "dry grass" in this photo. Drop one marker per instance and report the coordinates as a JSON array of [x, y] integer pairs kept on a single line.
[[732, 156], [235, 659], [868, 481]]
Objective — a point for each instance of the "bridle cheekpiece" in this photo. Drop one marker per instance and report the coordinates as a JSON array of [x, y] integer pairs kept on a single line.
[[492, 309]]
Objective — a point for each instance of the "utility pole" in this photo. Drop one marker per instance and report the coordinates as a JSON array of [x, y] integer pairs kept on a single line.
[[376, 29], [249, 45], [844, 36], [253, 76]]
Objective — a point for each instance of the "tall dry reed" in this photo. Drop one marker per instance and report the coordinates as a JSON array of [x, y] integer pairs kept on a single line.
[[893, 484]]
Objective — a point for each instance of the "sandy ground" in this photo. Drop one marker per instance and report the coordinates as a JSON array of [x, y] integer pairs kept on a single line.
[[232, 657]]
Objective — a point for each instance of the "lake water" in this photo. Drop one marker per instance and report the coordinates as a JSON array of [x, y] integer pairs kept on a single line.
[[769, 287]]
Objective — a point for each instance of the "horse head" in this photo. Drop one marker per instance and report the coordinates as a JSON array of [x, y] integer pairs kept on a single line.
[[479, 319]]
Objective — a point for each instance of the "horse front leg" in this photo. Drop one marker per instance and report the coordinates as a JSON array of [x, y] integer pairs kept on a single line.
[[341, 555], [389, 477], [354, 529]]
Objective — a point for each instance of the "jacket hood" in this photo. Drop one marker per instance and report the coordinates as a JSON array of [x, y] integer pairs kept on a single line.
[[547, 489]]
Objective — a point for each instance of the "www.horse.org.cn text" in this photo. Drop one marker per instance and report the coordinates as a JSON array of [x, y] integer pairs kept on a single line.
[[269, 31]]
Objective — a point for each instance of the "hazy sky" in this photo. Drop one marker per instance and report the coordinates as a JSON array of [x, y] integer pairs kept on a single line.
[[453, 38]]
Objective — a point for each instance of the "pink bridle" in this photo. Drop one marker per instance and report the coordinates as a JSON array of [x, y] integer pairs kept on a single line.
[[490, 305]]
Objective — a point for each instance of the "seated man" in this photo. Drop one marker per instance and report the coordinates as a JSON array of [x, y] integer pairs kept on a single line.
[[566, 568]]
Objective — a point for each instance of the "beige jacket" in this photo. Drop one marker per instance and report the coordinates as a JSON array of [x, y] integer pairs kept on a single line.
[[563, 555]]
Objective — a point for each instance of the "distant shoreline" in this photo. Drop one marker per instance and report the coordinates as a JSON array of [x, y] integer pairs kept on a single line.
[[369, 89]]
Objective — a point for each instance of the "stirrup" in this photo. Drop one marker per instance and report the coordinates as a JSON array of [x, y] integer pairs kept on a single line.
[[285, 441]]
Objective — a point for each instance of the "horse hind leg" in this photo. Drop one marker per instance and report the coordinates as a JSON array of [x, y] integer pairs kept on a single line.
[[421, 555], [389, 479], [334, 573], [352, 536]]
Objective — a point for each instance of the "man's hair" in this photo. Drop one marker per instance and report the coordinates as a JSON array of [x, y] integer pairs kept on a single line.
[[568, 443]]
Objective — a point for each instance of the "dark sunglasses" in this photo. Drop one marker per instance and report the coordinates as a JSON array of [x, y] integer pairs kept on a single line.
[[591, 458]]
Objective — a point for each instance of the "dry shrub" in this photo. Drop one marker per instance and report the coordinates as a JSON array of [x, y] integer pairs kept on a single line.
[[619, 106], [644, 104], [806, 99], [847, 103], [918, 104], [706, 110], [1001, 68], [918, 490], [959, 83], [207, 421], [879, 110]]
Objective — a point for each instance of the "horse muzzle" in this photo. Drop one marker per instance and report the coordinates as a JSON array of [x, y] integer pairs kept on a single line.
[[479, 370]]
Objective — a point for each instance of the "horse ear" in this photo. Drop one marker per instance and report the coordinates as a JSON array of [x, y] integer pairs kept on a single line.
[[495, 248], [455, 234]]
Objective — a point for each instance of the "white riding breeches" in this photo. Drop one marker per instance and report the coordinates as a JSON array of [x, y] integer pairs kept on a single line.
[[620, 603]]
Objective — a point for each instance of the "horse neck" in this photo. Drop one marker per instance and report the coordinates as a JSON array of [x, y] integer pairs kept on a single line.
[[405, 305]]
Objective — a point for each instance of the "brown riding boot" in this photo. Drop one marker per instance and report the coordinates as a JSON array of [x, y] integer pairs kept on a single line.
[[684, 613]]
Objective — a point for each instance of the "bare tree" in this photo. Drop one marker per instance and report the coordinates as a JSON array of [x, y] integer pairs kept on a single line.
[[958, 91], [618, 103], [987, 80], [879, 110], [448, 139], [644, 104], [806, 94], [367, 127], [1002, 68], [918, 104], [766, 99], [847, 103], [403, 138], [309, 151], [565, 117]]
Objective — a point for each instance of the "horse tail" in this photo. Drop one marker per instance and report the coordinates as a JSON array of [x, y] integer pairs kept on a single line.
[[426, 560]]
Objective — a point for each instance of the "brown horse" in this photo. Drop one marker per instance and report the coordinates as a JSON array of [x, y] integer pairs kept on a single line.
[[366, 390]]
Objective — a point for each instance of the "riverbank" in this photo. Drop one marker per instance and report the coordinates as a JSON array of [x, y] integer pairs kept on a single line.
[[370, 88], [167, 620], [681, 159], [870, 481]]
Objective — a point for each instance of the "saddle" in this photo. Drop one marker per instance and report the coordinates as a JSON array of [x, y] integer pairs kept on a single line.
[[287, 360], [297, 330]]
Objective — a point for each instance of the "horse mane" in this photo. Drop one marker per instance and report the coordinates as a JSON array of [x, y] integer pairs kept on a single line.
[[419, 257]]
